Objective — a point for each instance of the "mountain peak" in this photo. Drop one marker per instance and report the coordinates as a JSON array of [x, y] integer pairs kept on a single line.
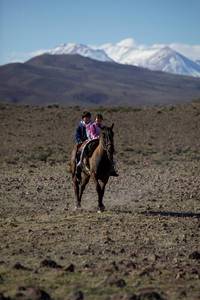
[[81, 49], [128, 43], [168, 60], [167, 50]]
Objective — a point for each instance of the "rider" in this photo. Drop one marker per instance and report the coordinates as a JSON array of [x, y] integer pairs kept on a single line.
[[81, 135], [95, 127], [93, 132], [82, 131]]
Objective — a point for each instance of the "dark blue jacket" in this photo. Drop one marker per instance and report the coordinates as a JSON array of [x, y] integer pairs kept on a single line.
[[81, 134]]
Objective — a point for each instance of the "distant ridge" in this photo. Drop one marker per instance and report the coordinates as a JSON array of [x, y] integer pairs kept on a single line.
[[77, 80], [157, 58]]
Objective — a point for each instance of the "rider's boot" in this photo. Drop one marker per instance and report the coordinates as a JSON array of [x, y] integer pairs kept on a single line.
[[113, 171]]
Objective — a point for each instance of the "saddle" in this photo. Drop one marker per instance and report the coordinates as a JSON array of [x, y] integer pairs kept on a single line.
[[85, 151]]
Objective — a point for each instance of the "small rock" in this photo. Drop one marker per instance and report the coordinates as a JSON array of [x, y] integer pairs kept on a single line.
[[195, 255], [19, 266], [131, 265], [152, 257], [33, 293], [87, 265], [147, 271], [49, 263], [149, 296], [2, 297], [33, 166], [76, 295], [119, 282], [124, 297], [183, 294], [180, 275], [115, 266], [70, 268]]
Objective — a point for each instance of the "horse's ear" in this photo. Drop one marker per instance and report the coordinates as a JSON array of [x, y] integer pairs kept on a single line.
[[112, 126]]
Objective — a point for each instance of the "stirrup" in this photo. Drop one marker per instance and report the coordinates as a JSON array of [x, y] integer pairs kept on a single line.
[[87, 170]]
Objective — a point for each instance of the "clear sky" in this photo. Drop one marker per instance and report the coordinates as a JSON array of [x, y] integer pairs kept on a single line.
[[29, 25]]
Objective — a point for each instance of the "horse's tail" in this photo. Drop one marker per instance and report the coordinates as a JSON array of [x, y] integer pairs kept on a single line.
[[73, 168], [70, 167]]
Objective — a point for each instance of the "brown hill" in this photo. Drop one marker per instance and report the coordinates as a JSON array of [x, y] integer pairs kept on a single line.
[[73, 79]]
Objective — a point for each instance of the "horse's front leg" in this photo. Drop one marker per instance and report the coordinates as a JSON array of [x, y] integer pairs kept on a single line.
[[100, 188]]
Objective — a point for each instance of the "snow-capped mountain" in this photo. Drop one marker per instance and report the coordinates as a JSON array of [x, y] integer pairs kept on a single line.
[[168, 60], [84, 50], [154, 58]]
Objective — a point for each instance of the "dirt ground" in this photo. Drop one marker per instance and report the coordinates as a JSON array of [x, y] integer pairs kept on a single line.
[[146, 245]]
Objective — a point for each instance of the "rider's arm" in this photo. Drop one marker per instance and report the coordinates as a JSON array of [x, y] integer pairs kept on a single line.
[[78, 135]]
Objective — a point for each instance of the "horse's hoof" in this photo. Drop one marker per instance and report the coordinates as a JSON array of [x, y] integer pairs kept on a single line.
[[77, 207], [101, 209]]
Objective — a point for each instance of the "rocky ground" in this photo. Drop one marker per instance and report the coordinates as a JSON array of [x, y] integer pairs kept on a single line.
[[146, 245]]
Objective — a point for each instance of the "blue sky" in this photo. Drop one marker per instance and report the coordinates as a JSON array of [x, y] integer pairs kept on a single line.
[[29, 25]]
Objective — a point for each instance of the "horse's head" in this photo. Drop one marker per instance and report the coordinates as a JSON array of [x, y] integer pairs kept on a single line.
[[107, 140]]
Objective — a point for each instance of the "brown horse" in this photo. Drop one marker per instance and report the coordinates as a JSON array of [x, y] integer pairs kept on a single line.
[[99, 167]]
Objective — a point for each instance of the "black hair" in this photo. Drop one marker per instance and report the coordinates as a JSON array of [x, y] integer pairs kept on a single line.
[[86, 114], [99, 116]]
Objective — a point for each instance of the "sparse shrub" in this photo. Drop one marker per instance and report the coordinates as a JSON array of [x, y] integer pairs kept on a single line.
[[53, 105]]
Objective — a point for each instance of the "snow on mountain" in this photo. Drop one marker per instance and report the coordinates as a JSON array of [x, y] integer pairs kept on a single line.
[[84, 50], [155, 58], [198, 61], [170, 61], [127, 52]]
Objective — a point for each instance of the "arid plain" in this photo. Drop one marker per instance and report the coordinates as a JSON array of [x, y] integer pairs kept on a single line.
[[146, 245]]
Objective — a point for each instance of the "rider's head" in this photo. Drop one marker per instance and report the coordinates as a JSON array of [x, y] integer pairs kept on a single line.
[[86, 116], [98, 118]]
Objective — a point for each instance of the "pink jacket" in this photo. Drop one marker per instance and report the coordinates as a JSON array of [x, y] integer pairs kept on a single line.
[[87, 126], [95, 130]]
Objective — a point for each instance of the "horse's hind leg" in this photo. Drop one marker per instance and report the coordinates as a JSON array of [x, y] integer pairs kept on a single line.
[[84, 182], [79, 188], [76, 191]]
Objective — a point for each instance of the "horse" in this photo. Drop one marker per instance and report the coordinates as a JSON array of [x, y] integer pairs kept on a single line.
[[99, 163]]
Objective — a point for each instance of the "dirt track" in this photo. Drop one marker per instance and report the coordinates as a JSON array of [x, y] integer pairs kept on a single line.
[[147, 243]]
